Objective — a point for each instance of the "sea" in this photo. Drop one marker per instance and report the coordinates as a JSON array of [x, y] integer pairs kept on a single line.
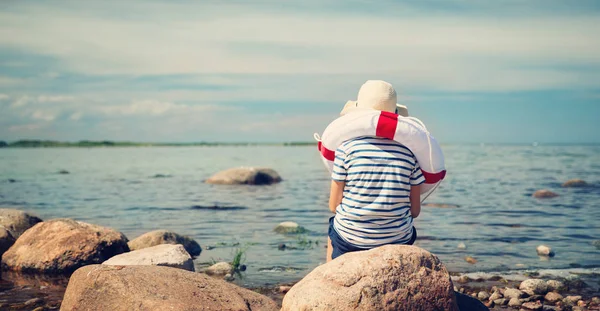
[[484, 208]]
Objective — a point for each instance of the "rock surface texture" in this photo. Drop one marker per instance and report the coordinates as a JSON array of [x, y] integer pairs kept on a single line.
[[245, 176], [61, 246], [158, 237], [544, 194], [16, 221], [392, 277], [168, 255], [100, 287]]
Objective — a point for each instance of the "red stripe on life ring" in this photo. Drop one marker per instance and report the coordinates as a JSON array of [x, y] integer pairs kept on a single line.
[[386, 125], [326, 153], [432, 178]]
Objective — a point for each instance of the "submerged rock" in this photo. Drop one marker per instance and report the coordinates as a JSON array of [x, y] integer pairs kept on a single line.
[[289, 227], [220, 268], [245, 176], [534, 287], [6, 240], [391, 277], [470, 260], [158, 237], [61, 246], [100, 287], [169, 255], [16, 221], [546, 251], [544, 194], [574, 183]]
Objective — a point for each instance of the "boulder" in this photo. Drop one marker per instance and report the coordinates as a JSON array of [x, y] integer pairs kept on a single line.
[[289, 227], [391, 277], [158, 237], [245, 176], [16, 221], [220, 268], [553, 297], [61, 246], [160, 255], [6, 240], [533, 287], [554, 285], [574, 183], [544, 194], [545, 251], [100, 287]]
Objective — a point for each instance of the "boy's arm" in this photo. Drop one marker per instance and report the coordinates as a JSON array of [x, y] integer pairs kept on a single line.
[[415, 201], [336, 194]]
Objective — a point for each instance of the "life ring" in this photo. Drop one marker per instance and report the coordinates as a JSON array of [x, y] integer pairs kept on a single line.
[[408, 131]]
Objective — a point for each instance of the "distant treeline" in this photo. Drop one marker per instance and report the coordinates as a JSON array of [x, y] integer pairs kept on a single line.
[[106, 143]]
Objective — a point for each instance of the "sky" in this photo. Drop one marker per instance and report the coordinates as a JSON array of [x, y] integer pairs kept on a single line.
[[511, 71]]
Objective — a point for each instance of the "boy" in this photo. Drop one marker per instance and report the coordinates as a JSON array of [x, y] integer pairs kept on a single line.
[[375, 187]]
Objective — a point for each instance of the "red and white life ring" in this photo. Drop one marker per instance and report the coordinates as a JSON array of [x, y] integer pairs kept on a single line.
[[408, 131]]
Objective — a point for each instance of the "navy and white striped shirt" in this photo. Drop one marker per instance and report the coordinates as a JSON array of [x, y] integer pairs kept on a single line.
[[375, 208]]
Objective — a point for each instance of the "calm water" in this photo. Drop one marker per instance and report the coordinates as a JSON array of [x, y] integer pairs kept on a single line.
[[136, 190]]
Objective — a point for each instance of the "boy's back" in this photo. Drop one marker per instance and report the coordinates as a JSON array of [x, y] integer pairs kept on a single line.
[[378, 175]]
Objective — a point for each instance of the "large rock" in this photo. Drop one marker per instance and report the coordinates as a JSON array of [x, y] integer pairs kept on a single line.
[[16, 221], [101, 287], [391, 277], [534, 287], [574, 183], [160, 255], [63, 245], [158, 237], [245, 176], [6, 240], [544, 194]]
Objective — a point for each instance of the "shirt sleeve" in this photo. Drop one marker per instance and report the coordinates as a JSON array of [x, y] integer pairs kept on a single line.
[[339, 172], [416, 178]]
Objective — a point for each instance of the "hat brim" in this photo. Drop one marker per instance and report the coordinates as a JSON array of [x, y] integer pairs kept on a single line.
[[351, 106]]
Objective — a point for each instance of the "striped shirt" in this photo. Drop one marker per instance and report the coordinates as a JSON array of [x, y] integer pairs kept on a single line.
[[375, 208]]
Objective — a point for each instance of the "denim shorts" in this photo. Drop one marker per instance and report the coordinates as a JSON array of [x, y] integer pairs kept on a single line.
[[340, 246]]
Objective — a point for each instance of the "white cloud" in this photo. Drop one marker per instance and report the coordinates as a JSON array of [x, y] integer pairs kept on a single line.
[[451, 51], [4, 97], [43, 115]]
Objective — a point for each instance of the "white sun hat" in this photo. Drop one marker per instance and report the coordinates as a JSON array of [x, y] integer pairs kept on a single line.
[[377, 95]]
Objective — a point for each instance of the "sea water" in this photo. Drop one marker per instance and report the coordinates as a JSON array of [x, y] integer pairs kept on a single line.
[[486, 195]]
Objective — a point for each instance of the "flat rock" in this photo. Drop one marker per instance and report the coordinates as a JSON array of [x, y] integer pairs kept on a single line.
[[60, 246], [510, 293], [574, 183], [391, 277], [544, 194], [532, 305], [100, 287], [289, 227], [245, 176], [158, 237], [220, 268], [169, 255], [543, 250], [16, 221], [534, 287], [6, 240]]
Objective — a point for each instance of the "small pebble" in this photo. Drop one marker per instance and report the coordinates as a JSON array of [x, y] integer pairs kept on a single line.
[[228, 277], [461, 246]]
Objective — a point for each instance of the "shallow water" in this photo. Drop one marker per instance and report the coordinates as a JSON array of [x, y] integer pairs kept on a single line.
[[488, 188]]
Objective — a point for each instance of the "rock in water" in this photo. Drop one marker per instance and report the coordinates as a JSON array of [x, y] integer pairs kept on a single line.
[[100, 287], [574, 183], [544, 194], [220, 268], [245, 176], [16, 221], [533, 287], [391, 277], [63, 245], [158, 237], [6, 240], [546, 251], [289, 227], [160, 255]]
